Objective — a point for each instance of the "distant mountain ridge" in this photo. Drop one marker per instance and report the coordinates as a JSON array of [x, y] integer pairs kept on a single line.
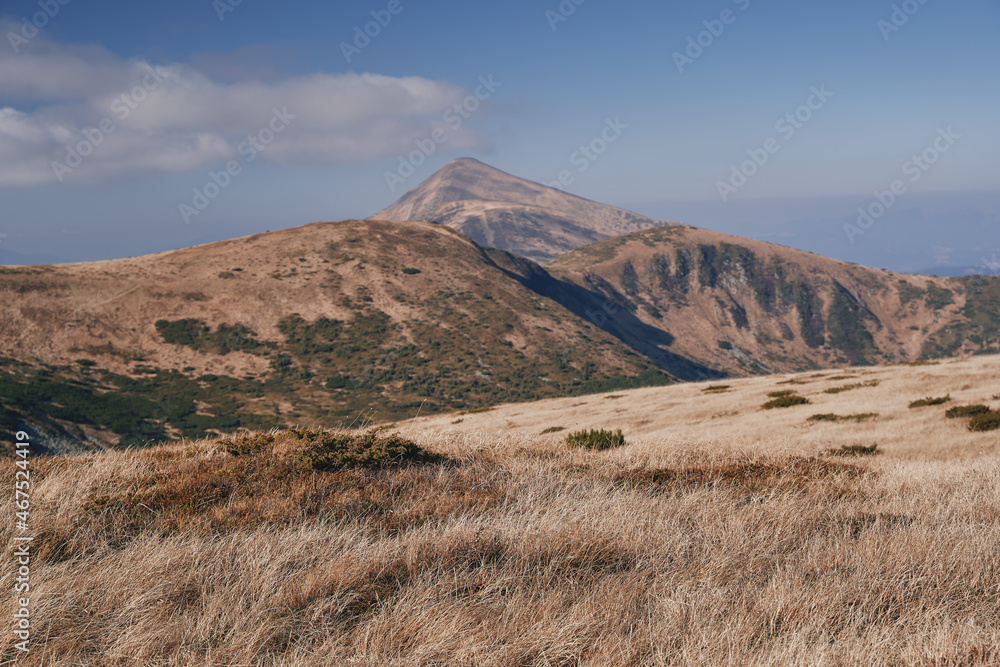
[[496, 209], [747, 306]]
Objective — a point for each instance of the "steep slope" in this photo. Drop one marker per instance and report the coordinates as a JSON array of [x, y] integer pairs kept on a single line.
[[325, 324], [750, 306], [498, 210]]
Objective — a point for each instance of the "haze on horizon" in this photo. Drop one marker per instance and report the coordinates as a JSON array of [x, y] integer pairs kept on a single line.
[[776, 121]]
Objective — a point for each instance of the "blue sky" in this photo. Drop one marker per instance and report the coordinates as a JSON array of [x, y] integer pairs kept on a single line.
[[207, 83]]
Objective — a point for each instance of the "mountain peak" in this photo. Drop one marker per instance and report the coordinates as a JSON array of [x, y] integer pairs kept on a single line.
[[497, 209], [468, 179]]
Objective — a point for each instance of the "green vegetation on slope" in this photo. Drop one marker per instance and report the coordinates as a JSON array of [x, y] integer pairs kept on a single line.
[[197, 335], [140, 409]]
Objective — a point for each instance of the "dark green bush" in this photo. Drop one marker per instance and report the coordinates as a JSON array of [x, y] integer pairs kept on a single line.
[[785, 402], [781, 394], [985, 422], [410, 271], [924, 402], [716, 389], [966, 411], [854, 450], [248, 444], [849, 387], [830, 417], [332, 451], [182, 332], [598, 440]]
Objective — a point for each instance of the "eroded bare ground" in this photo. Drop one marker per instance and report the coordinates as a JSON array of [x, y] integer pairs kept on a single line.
[[512, 550]]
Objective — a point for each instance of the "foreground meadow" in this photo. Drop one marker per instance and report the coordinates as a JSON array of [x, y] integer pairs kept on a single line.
[[722, 533]]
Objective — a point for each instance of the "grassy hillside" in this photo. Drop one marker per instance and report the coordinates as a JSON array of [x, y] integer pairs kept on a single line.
[[478, 540], [326, 324]]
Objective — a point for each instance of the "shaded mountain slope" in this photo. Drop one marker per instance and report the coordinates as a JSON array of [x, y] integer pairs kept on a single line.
[[751, 306]]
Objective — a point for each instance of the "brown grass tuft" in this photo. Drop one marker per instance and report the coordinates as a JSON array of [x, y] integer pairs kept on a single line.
[[791, 475]]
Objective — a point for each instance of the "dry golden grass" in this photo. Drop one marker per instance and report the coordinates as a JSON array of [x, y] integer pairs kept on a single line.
[[720, 534], [688, 417]]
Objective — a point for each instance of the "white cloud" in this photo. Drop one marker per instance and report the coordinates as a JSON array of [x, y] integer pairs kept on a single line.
[[174, 117]]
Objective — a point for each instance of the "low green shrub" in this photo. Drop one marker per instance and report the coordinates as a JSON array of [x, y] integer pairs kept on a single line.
[[849, 387], [553, 429], [324, 450], [716, 389], [598, 440], [249, 443], [924, 402], [854, 450], [785, 402], [781, 394], [830, 417], [966, 411], [989, 421]]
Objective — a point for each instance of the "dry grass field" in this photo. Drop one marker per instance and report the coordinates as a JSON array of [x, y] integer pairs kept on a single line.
[[720, 534]]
